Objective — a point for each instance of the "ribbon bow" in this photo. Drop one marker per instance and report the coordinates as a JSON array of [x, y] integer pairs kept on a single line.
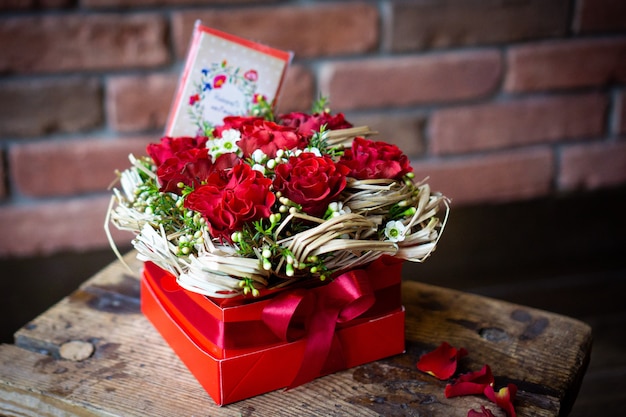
[[314, 314]]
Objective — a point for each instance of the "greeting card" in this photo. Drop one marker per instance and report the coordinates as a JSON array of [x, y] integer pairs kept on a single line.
[[224, 75]]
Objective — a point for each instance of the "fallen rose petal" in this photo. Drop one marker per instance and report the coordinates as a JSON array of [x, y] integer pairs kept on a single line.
[[470, 383], [441, 362], [484, 412], [503, 398]]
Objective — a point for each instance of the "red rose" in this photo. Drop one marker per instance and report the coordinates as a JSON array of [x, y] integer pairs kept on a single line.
[[268, 137], [368, 159], [190, 167], [234, 122], [311, 181], [160, 152], [182, 159], [231, 198], [307, 124]]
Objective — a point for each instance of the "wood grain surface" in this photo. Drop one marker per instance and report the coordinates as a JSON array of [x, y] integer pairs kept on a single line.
[[95, 354]]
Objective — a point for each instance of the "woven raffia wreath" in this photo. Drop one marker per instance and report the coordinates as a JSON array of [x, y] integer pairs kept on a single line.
[[263, 202]]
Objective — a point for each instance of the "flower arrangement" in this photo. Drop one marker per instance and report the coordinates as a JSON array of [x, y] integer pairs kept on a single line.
[[266, 201]]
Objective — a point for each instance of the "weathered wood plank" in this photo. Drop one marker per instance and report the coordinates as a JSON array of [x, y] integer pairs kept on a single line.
[[133, 372], [545, 354]]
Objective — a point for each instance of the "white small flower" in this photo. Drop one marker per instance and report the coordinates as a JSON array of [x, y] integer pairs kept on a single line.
[[259, 167], [314, 151], [395, 231], [229, 146], [338, 209], [258, 156], [231, 135], [227, 143]]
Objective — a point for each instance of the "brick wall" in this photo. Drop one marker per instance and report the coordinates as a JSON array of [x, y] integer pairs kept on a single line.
[[495, 100]]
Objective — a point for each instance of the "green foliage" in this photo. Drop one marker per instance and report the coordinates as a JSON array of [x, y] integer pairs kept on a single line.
[[320, 105], [262, 108]]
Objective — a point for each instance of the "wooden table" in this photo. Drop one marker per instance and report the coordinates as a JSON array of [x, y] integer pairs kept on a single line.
[[94, 354]]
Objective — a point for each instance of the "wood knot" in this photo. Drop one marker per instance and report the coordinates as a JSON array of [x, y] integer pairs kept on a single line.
[[493, 334], [76, 350]]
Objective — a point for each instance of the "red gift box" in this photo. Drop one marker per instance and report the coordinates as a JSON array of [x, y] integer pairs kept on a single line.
[[240, 349]]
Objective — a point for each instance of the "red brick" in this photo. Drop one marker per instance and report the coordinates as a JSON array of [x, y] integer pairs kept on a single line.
[[298, 90], [16, 4], [501, 177], [140, 102], [619, 118], [309, 31], [127, 4], [37, 107], [3, 178], [435, 24], [396, 82], [403, 130], [48, 227], [519, 122], [593, 16], [34, 4], [70, 166], [566, 64], [83, 42], [593, 166]]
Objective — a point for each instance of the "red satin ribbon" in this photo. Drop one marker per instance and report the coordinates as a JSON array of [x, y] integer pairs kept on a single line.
[[315, 313], [287, 320]]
